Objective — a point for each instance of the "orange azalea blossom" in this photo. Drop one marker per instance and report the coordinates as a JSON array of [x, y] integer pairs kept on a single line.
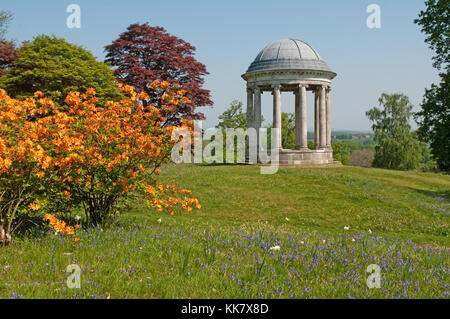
[[164, 85], [34, 206], [40, 174], [60, 226]]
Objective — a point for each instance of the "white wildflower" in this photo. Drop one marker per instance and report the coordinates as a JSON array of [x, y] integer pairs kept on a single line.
[[159, 220], [77, 217], [275, 248], [346, 227], [287, 219], [370, 232]]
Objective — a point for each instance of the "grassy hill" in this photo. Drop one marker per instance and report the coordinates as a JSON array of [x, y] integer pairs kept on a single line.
[[409, 205], [256, 236]]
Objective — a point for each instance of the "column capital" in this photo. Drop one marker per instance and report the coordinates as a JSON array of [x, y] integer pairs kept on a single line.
[[300, 85], [276, 86], [256, 89], [250, 89]]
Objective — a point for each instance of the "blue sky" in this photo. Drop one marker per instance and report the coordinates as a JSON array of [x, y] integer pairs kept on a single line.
[[229, 34]]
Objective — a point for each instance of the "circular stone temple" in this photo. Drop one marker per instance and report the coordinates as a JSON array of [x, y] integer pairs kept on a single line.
[[290, 65]]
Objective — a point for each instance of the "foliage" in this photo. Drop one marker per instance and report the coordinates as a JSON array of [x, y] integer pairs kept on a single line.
[[233, 117], [56, 67], [340, 152], [7, 55], [23, 163], [428, 162], [144, 53], [434, 117], [396, 147], [288, 130], [434, 121], [434, 23], [117, 148], [362, 157], [7, 48], [94, 155]]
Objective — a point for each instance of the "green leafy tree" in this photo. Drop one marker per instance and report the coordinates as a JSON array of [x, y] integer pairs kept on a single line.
[[55, 67], [288, 130], [341, 152], [395, 147], [434, 117], [233, 117], [434, 21]]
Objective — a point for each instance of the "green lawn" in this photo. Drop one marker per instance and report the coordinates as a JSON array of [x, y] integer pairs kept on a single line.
[[398, 204], [398, 220]]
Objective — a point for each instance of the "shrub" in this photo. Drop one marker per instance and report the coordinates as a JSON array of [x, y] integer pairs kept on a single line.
[[23, 162], [362, 158], [56, 67], [114, 150], [93, 155], [340, 152]]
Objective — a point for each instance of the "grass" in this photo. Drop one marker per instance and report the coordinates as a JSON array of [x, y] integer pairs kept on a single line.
[[397, 220]]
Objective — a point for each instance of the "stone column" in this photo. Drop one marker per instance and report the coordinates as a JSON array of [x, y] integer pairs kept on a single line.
[[301, 129], [303, 111], [316, 119], [277, 110], [250, 114], [297, 119], [257, 110], [322, 118], [328, 142]]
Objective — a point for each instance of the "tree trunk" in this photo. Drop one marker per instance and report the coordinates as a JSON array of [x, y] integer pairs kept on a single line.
[[5, 237]]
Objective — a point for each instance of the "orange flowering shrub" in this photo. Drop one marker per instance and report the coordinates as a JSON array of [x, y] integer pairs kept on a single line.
[[91, 155], [24, 162], [106, 152]]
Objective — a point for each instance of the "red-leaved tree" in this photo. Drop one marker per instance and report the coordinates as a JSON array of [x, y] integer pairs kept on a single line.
[[7, 55], [144, 53]]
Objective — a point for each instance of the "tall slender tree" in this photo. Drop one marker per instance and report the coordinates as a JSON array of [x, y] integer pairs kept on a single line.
[[395, 147], [144, 53], [434, 117]]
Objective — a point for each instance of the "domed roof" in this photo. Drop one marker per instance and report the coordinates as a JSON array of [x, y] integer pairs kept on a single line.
[[288, 54]]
